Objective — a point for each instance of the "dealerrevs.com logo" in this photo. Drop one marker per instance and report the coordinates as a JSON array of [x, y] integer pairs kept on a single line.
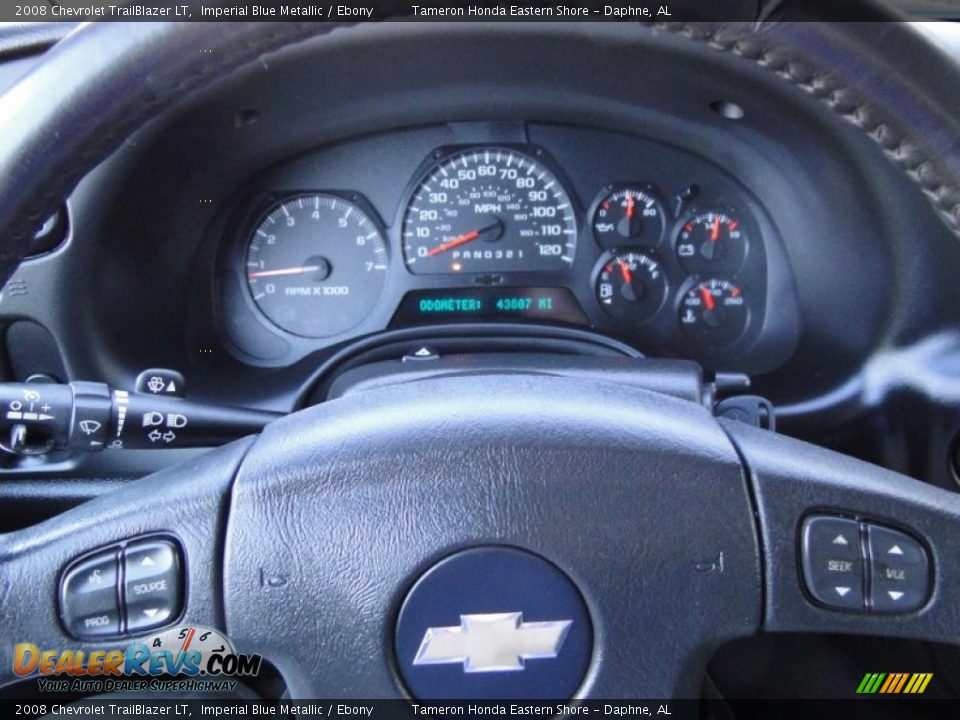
[[188, 653]]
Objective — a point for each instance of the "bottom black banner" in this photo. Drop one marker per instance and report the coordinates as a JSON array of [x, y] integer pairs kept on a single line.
[[873, 707]]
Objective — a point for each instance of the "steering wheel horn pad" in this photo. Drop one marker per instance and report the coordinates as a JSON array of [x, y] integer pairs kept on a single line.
[[630, 493]]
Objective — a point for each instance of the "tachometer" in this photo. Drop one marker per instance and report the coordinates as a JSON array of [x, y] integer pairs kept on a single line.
[[316, 265], [489, 210]]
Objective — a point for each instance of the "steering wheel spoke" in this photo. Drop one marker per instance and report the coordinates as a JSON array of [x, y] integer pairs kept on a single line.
[[187, 503], [886, 568]]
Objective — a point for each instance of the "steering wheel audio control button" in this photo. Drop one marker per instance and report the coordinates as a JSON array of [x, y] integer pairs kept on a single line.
[[89, 601], [152, 583], [899, 570], [832, 561], [494, 623]]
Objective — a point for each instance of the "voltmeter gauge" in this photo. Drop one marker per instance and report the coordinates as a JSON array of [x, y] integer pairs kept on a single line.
[[714, 312], [629, 216], [631, 286], [710, 241]]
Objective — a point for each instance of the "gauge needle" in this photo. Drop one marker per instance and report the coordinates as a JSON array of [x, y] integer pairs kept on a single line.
[[461, 240], [630, 203], [625, 271], [715, 230], [708, 298], [299, 270]]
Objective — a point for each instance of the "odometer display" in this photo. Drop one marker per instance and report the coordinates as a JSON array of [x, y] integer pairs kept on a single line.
[[489, 210], [471, 304]]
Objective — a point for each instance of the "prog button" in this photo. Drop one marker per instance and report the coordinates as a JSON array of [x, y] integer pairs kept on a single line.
[[89, 604]]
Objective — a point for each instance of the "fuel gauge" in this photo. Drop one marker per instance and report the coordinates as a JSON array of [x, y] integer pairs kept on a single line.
[[631, 286]]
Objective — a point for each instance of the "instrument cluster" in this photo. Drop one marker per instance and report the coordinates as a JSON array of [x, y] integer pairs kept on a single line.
[[673, 260]]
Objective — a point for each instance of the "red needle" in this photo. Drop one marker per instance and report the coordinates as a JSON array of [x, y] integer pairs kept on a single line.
[[625, 271], [450, 244], [630, 204], [715, 230], [708, 298], [300, 270]]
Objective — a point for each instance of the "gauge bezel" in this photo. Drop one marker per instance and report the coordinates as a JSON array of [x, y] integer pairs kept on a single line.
[[262, 206], [647, 188], [532, 153]]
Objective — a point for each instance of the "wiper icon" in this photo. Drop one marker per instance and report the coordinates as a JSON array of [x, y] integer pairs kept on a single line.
[[89, 426]]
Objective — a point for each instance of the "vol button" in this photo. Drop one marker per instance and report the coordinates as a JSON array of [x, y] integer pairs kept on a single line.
[[899, 570]]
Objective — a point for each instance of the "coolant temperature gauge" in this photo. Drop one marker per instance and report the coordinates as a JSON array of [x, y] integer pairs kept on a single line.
[[631, 286], [714, 311]]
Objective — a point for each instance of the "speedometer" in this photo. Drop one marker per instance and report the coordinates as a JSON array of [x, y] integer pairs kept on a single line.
[[489, 210]]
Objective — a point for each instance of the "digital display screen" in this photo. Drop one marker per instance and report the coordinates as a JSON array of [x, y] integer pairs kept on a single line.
[[456, 305]]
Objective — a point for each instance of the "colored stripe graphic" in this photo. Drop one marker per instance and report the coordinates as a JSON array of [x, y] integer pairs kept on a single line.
[[903, 680], [894, 683]]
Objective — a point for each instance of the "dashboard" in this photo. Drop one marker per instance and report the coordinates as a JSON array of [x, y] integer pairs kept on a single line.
[[816, 254], [517, 222]]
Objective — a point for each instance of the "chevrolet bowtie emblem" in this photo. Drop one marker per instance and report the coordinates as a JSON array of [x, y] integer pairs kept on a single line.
[[493, 642]]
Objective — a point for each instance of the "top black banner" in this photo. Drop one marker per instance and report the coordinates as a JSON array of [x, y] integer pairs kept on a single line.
[[476, 10]]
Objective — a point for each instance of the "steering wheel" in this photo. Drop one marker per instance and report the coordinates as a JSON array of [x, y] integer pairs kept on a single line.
[[403, 543]]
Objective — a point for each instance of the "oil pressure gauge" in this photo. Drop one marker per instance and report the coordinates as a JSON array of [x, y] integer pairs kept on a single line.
[[629, 216], [631, 286]]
